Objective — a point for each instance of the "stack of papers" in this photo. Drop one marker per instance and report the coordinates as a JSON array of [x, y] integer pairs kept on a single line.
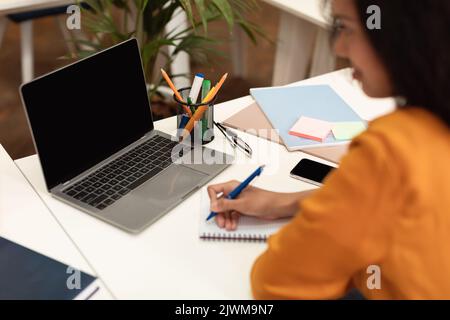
[[284, 106]]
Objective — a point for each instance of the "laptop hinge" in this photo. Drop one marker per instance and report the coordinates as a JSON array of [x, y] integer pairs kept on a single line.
[[66, 183]]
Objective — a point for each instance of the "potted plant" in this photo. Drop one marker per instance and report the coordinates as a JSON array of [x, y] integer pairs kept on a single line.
[[112, 21]]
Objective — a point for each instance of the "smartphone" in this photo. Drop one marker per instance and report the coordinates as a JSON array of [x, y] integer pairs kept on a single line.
[[311, 172]]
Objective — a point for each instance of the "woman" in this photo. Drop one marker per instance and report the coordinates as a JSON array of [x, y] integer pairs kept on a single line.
[[387, 208]]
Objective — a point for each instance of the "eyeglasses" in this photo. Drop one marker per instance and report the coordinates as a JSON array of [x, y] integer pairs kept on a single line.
[[234, 140]]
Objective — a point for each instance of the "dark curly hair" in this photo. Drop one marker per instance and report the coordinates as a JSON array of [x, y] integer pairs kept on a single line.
[[414, 45]]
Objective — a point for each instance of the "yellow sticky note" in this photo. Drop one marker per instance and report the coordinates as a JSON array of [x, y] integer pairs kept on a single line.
[[347, 130]]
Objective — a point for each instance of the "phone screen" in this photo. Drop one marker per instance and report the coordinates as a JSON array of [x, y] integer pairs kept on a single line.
[[311, 170]]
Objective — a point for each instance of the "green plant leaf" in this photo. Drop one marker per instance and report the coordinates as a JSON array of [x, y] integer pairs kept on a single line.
[[201, 8], [144, 4], [224, 7], [154, 27], [152, 48], [94, 5], [122, 4], [86, 43], [85, 53], [186, 4]]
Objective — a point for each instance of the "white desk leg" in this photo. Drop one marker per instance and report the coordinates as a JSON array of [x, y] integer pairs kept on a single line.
[[323, 60], [296, 38], [26, 43], [181, 64], [239, 53], [3, 24]]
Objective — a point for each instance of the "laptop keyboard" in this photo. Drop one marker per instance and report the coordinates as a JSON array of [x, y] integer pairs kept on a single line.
[[111, 182]]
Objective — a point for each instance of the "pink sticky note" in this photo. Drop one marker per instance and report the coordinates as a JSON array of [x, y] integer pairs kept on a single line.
[[310, 128]]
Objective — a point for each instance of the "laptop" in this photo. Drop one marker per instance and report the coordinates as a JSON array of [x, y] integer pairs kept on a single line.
[[93, 131]]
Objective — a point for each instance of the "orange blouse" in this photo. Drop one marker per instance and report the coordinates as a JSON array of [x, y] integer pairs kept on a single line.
[[388, 206]]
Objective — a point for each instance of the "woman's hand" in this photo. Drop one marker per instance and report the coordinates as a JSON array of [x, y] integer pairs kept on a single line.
[[252, 202]]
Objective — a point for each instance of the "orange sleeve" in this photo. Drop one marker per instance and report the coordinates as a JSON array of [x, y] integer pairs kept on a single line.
[[341, 230]]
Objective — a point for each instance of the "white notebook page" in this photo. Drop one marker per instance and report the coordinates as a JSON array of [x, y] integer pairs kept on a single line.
[[248, 228]]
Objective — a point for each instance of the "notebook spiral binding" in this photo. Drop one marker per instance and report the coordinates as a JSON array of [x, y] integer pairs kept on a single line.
[[233, 237]]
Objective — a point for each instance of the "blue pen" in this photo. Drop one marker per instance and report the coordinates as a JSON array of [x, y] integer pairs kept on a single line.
[[184, 120], [236, 192]]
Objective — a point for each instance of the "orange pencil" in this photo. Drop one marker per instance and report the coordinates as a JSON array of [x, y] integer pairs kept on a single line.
[[177, 94], [200, 111]]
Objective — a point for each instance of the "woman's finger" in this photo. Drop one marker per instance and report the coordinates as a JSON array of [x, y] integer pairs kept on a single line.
[[225, 188], [228, 223], [220, 220], [234, 219], [239, 204]]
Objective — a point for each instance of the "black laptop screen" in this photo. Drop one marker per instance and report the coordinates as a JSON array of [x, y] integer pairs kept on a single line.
[[84, 113]]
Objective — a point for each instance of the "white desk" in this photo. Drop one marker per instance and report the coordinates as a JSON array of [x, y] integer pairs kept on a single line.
[[302, 34], [16, 6], [26, 220], [168, 260], [309, 10]]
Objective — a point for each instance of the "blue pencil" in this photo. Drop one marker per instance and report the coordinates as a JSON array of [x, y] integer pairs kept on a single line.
[[236, 192]]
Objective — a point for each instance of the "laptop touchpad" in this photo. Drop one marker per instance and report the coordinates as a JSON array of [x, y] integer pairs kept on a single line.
[[171, 185]]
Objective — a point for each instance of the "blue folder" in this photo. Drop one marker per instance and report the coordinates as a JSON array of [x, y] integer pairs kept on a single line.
[[28, 275], [283, 107]]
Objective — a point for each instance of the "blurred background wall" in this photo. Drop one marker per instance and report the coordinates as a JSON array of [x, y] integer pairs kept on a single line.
[[49, 47]]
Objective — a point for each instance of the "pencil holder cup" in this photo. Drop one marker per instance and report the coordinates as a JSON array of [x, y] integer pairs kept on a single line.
[[203, 130]]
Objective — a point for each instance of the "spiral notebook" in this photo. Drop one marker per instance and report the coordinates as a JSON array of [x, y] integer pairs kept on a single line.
[[249, 229]]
